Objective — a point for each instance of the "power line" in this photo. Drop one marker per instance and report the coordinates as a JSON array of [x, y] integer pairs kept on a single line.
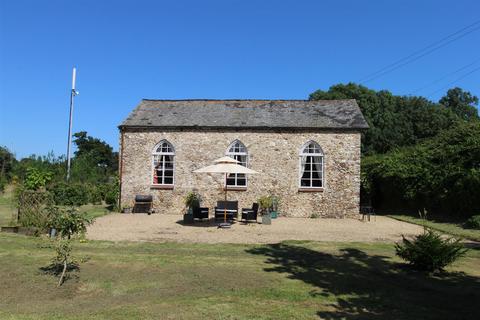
[[422, 52], [444, 77], [454, 81]]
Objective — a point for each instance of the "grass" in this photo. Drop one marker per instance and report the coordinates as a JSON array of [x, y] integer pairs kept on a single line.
[[455, 229], [291, 280]]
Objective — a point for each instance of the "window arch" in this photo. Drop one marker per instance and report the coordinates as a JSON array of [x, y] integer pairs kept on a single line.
[[237, 151], [311, 166], [163, 163]]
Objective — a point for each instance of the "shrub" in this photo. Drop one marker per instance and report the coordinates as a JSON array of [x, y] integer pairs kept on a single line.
[[473, 222], [111, 196], [3, 184], [95, 195], [36, 178], [429, 251], [70, 194]]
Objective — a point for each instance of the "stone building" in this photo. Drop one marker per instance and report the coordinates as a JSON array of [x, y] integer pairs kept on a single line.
[[306, 152]]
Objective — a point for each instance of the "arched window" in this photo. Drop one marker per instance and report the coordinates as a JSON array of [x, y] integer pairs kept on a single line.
[[163, 163], [237, 151], [311, 165]]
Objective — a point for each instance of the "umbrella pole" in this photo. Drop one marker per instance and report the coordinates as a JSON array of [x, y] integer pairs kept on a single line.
[[225, 207]]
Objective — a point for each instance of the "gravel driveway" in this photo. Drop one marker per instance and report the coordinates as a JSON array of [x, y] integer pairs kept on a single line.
[[157, 227]]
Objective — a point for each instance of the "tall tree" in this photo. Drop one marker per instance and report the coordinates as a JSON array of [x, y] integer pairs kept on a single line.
[[7, 161], [98, 151], [463, 103], [94, 159], [394, 121]]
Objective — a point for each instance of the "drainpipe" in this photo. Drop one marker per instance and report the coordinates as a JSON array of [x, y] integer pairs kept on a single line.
[[120, 169]]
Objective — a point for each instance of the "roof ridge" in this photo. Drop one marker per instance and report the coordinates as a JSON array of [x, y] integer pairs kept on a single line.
[[289, 100]]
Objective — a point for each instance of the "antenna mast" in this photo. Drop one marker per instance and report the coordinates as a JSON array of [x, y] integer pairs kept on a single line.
[[73, 93]]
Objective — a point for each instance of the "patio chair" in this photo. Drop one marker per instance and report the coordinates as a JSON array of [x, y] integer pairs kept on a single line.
[[366, 212], [231, 207], [249, 214], [200, 213]]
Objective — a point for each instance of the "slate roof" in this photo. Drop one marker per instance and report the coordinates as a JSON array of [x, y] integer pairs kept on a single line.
[[254, 114]]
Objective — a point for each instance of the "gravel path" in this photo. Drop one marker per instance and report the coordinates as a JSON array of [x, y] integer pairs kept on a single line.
[[157, 227]]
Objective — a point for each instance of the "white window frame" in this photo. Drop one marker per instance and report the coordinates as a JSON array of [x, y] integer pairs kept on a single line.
[[303, 154], [155, 153], [231, 154]]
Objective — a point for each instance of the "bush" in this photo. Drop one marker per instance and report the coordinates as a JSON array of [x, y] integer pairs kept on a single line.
[[3, 184], [111, 197], [70, 194], [429, 251], [36, 178], [95, 195], [473, 222]]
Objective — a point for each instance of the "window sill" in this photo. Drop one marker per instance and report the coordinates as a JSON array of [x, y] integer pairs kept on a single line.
[[162, 187], [234, 188], [321, 189]]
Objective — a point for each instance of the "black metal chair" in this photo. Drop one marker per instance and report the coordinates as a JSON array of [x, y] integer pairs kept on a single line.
[[366, 212], [230, 207], [249, 214], [200, 213]]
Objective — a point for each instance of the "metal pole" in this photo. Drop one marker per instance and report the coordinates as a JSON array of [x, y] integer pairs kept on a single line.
[[72, 95]]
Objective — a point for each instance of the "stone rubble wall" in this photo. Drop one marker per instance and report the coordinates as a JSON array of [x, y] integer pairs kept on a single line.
[[275, 155]]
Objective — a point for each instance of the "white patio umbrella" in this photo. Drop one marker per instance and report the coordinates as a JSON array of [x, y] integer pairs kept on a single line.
[[225, 165]]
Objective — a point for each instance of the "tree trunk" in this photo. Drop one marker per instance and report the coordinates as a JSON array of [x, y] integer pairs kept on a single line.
[[63, 273]]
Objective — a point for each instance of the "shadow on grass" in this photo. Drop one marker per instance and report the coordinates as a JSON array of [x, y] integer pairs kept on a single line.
[[372, 287], [55, 269]]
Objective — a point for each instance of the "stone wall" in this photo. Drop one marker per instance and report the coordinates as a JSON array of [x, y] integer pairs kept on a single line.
[[275, 155]]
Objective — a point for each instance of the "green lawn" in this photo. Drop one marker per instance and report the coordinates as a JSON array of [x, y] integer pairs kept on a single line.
[[292, 280], [451, 228]]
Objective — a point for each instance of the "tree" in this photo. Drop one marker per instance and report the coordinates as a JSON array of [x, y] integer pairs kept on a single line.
[[94, 159], [7, 163], [394, 121], [441, 174], [97, 150], [463, 103]]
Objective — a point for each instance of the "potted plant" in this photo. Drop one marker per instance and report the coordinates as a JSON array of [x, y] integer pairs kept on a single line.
[[265, 204], [191, 200], [275, 204]]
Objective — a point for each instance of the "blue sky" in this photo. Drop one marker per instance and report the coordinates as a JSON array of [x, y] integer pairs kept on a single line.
[[129, 50]]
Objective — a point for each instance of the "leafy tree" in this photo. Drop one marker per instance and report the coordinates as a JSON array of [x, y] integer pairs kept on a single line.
[[63, 249], [441, 174], [394, 121], [69, 222], [97, 151], [48, 163], [7, 163], [463, 103]]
